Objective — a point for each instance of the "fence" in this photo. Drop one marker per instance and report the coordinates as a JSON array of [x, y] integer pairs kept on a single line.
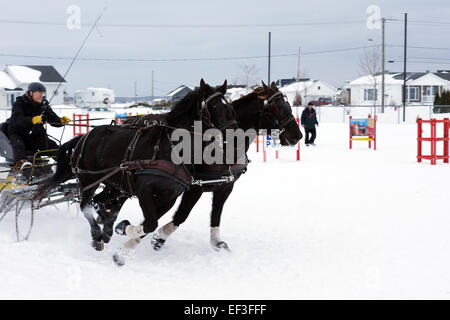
[[433, 139], [80, 124]]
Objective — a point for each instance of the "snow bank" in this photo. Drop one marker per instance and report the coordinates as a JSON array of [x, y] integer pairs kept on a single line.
[[339, 224]]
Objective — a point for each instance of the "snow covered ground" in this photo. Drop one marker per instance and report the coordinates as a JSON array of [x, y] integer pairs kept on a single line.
[[338, 224]]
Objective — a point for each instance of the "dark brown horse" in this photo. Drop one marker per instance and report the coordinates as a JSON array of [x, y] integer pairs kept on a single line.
[[264, 108], [137, 161]]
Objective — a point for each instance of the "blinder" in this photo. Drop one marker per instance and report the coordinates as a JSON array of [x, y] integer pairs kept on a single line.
[[269, 104]]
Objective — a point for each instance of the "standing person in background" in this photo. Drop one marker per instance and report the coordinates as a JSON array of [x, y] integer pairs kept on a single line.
[[309, 122]]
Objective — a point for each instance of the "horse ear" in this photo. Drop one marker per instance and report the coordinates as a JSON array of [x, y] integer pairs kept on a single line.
[[273, 85], [223, 88], [202, 86], [264, 85]]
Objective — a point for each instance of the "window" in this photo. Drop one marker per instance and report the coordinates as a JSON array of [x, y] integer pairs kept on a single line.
[[413, 93], [370, 94]]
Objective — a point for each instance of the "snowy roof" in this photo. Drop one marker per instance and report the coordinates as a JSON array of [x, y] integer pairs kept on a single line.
[[48, 74], [174, 92], [6, 81], [305, 84], [28, 74], [237, 92], [297, 86], [90, 89], [412, 78], [23, 74], [369, 79]]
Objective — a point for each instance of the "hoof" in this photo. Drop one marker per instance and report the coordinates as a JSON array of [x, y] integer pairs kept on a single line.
[[98, 245], [157, 242], [221, 246], [118, 259], [106, 237], [120, 228]]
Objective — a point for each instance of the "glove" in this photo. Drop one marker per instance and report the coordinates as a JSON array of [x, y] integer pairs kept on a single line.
[[65, 120], [36, 120]]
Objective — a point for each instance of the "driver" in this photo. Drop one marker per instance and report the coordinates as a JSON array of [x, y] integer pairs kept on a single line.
[[26, 129]]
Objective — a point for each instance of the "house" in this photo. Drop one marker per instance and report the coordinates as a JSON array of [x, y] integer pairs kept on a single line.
[[47, 75], [179, 93], [421, 88], [8, 91], [308, 90], [236, 91], [91, 97], [284, 82]]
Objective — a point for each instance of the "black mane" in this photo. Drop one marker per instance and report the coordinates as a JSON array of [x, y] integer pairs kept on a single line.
[[185, 110]]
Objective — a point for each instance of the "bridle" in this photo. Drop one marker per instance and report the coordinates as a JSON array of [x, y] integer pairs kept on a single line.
[[271, 106], [204, 109]]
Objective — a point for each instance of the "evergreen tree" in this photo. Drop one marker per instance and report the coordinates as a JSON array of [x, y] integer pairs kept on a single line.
[[442, 102]]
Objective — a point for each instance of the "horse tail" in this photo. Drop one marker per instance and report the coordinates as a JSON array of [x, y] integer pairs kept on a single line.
[[63, 169]]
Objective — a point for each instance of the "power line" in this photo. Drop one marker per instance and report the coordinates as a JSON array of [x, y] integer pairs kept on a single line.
[[186, 59], [428, 58], [417, 47], [171, 26], [427, 22]]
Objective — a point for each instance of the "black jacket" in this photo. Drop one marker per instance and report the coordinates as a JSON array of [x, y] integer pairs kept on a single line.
[[309, 119], [24, 109]]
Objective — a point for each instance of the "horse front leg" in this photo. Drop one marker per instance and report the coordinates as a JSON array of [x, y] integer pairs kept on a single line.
[[219, 198], [188, 201]]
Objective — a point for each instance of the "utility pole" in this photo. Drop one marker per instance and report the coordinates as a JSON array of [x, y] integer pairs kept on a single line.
[[268, 76], [153, 96], [404, 69], [297, 97], [383, 20], [135, 91]]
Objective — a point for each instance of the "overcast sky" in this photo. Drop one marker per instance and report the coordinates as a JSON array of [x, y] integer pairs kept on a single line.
[[193, 30]]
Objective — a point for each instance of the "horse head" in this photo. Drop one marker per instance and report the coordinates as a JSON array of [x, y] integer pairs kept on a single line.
[[277, 114]]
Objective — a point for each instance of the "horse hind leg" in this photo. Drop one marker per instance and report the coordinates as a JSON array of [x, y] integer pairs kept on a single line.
[[88, 210], [110, 217]]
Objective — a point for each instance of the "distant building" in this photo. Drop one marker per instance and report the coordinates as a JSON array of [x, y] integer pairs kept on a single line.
[[421, 88], [286, 82], [22, 76], [235, 92], [94, 97], [307, 90], [8, 91], [179, 93]]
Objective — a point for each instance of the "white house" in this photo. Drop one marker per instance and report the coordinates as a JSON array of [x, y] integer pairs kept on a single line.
[[22, 76], [308, 90], [421, 88], [8, 91], [91, 97]]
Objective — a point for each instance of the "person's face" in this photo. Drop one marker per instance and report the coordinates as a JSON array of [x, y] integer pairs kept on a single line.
[[37, 96], [309, 106]]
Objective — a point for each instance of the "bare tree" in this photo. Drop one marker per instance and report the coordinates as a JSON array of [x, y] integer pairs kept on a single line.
[[370, 64], [248, 75]]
